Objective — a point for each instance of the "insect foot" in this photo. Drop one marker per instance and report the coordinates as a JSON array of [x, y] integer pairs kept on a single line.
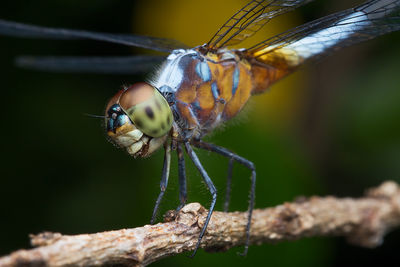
[[188, 215], [218, 237]]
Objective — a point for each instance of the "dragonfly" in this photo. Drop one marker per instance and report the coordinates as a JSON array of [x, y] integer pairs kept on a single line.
[[197, 89]]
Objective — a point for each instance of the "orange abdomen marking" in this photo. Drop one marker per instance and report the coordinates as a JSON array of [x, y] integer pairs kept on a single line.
[[264, 77], [269, 68]]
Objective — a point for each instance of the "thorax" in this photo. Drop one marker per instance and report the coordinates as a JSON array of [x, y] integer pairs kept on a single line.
[[204, 90]]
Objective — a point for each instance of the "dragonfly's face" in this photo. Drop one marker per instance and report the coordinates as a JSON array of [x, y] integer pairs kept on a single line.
[[138, 119]]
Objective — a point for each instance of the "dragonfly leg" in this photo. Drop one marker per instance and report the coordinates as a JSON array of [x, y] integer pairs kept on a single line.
[[248, 164], [228, 185], [211, 188], [182, 177], [164, 180]]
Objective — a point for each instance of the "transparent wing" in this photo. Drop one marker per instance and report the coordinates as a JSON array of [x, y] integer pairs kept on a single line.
[[249, 19], [16, 29], [323, 36], [109, 65]]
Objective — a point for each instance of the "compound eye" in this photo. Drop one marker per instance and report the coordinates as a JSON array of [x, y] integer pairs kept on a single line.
[[147, 109]]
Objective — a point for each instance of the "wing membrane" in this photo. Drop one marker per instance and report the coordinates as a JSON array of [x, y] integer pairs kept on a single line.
[[109, 65], [323, 36], [249, 19], [16, 29]]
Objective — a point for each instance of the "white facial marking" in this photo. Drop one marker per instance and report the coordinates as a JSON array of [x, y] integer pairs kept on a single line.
[[134, 148], [129, 138], [155, 143], [136, 134]]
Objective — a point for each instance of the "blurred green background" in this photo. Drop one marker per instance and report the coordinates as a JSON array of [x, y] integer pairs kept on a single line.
[[331, 128]]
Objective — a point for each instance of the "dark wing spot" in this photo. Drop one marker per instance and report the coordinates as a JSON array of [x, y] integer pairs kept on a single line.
[[154, 132], [169, 120], [149, 112], [163, 126], [138, 123]]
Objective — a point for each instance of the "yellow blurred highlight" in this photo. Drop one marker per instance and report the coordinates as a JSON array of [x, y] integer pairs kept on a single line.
[[195, 22]]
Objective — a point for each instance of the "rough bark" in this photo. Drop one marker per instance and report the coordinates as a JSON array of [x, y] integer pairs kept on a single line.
[[363, 221]]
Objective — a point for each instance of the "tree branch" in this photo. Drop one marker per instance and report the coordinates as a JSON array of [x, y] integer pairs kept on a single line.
[[362, 221]]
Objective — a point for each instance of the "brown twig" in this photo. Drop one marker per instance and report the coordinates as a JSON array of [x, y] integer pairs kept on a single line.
[[362, 221]]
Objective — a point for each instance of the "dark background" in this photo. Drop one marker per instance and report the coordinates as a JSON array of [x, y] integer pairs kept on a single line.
[[330, 129]]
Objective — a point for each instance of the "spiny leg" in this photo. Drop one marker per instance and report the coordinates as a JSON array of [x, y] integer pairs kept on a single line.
[[228, 185], [164, 179], [182, 177], [250, 165], [211, 188]]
